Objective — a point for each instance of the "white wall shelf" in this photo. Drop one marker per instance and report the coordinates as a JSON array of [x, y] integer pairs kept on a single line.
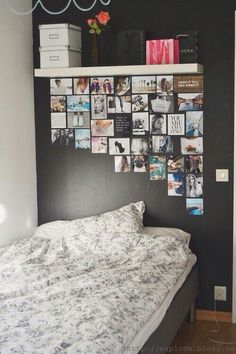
[[192, 68]]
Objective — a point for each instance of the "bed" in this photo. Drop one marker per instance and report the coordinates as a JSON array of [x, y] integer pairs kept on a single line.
[[96, 285]]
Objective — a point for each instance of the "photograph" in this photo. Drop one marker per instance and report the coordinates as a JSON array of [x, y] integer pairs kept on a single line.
[[194, 206], [122, 85], [194, 123], [165, 84], [119, 146], [79, 103], [140, 146], [187, 83], [194, 164], [59, 86], [158, 123], [140, 103], [78, 120], [162, 144], [194, 186], [176, 124], [101, 127], [63, 137], [140, 123], [122, 126], [175, 164], [119, 104], [140, 163], [82, 138], [58, 103], [99, 106], [175, 184], [190, 101], [99, 145], [122, 163], [102, 85], [191, 146], [143, 84], [161, 104], [157, 167], [58, 120], [81, 85]]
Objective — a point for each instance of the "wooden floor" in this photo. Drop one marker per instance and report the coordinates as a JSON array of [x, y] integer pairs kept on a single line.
[[199, 338]]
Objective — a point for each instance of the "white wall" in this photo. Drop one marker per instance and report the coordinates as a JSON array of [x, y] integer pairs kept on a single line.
[[18, 203]]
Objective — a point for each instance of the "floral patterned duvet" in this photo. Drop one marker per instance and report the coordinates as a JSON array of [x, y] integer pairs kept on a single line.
[[85, 294]]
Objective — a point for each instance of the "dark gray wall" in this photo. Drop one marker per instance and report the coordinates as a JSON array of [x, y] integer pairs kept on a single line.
[[76, 183]]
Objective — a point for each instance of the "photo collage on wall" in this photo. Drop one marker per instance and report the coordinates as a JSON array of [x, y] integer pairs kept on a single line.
[[150, 124]]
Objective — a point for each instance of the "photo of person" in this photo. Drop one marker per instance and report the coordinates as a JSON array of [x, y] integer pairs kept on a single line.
[[99, 145], [102, 85], [100, 127], [139, 103], [79, 103], [119, 146], [194, 186], [140, 123], [82, 138], [161, 104], [175, 164], [194, 206], [122, 164], [99, 106], [191, 146], [140, 146], [165, 84], [194, 164], [78, 120], [60, 86], [175, 184], [157, 167], [58, 120], [162, 144], [140, 163], [190, 101], [63, 137], [119, 104], [194, 123], [122, 85], [143, 84], [81, 85], [158, 123], [58, 103], [176, 124]]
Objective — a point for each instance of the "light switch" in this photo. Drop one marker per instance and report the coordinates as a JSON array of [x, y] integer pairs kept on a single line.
[[222, 175]]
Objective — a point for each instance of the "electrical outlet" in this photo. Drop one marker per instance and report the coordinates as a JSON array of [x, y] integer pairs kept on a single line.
[[220, 293]]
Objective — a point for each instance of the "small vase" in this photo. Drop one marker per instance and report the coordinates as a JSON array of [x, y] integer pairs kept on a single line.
[[94, 51]]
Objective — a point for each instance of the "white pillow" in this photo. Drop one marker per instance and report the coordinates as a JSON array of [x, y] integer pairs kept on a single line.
[[90, 224], [52, 229], [168, 231]]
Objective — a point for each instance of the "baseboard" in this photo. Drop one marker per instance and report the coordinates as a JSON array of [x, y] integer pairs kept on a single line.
[[205, 315]]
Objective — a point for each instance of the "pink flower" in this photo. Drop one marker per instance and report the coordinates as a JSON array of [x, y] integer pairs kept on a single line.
[[103, 17], [90, 21]]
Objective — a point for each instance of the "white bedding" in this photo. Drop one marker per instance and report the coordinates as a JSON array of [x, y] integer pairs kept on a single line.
[[85, 293]]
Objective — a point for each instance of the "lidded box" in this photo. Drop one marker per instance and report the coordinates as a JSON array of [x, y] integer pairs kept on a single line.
[[59, 57]]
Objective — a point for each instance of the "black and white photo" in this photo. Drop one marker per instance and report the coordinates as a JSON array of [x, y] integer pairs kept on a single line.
[[140, 123], [176, 124], [140, 163], [122, 85], [60, 86], [119, 104], [78, 120], [122, 163], [165, 84], [158, 124], [140, 103], [119, 146], [140, 146], [143, 84]]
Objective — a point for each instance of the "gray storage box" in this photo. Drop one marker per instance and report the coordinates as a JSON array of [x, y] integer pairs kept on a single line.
[[59, 57]]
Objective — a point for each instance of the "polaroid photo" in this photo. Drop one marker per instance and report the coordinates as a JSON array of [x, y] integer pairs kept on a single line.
[[102, 85], [100, 127], [81, 86], [165, 84], [140, 103], [119, 104], [60, 86], [194, 206], [140, 163], [158, 123], [161, 104], [176, 124], [194, 164], [194, 124], [122, 85], [99, 106], [157, 168], [175, 184], [191, 146], [188, 83], [162, 144], [119, 146], [99, 145], [140, 146], [78, 120], [122, 126], [80, 103], [140, 123], [82, 138], [122, 163], [63, 137], [58, 120], [143, 84], [194, 186], [58, 103], [190, 101], [175, 164]]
